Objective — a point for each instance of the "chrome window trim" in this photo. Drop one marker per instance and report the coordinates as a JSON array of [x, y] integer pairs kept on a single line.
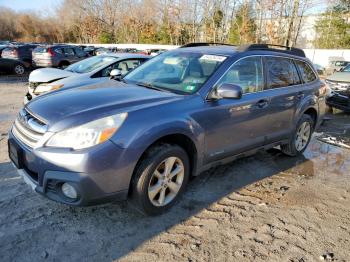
[[264, 55]]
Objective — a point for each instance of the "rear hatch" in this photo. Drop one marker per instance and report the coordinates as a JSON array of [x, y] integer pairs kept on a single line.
[[42, 55]]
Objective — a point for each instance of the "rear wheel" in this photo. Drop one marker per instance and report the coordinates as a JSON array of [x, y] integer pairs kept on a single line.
[[19, 69], [300, 138], [159, 179], [63, 65]]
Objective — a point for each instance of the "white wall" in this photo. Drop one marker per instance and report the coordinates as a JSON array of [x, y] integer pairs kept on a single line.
[[320, 56], [317, 56], [137, 46]]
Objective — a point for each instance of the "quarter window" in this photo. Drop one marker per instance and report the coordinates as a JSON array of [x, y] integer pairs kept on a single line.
[[281, 72], [307, 74], [247, 73]]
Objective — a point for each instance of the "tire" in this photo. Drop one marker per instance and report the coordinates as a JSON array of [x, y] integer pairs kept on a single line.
[[145, 194], [19, 69], [63, 65], [291, 149]]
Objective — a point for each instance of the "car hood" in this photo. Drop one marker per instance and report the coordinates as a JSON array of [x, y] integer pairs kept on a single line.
[[44, 75], [91, 102], [340, 77]]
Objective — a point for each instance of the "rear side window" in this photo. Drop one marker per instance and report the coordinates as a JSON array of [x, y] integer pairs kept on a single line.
[[58, 51], [307, 74], [247, 73], [40, 50], [281, 72], [68, 51]]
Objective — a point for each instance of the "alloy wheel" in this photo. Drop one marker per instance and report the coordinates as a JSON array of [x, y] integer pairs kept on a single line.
[[19, 69], [166, 181], [302, 136]]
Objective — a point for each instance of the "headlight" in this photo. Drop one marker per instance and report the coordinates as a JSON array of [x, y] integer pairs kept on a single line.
[[44, 88], [89, 134]]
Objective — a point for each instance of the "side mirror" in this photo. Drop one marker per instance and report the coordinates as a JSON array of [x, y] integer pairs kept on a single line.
[[229, 91], [115, 74]]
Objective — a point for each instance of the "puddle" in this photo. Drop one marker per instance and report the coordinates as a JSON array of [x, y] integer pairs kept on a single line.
[[323, 160]]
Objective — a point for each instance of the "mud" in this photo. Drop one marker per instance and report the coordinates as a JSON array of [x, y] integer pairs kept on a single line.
[[267, 207]]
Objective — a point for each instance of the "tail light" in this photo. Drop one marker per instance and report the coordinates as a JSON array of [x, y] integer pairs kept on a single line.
[[14, 52], [51, 52], [324, 89]]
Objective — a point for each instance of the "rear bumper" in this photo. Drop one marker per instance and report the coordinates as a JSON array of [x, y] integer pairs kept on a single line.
[[43, 63], [99, 175]]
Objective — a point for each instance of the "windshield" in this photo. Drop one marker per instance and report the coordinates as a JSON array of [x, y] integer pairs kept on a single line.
[[347, 68], [90, 64], [178, 72]]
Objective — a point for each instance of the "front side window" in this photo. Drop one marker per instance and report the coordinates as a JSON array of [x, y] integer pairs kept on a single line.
[[307, 74], [80, 52], [347, 68], [247, 73], [281, 72], [179, 72]]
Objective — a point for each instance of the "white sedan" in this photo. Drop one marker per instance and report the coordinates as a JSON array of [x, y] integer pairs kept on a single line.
[[88, 71]]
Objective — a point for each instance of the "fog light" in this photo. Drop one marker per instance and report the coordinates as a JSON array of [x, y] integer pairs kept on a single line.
[[69, 191]]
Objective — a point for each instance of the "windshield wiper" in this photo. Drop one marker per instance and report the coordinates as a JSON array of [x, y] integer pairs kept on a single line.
[[149, 85]]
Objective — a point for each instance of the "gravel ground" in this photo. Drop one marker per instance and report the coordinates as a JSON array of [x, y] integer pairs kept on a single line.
[[267, 207]]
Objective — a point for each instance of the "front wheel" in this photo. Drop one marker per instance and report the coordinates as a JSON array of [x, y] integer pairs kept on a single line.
[[300, 138], [159, 179]]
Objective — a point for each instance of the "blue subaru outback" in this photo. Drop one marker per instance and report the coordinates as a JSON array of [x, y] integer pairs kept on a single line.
[[143, 136]]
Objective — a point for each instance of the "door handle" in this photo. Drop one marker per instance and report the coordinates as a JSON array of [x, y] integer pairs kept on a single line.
[[262, 103]]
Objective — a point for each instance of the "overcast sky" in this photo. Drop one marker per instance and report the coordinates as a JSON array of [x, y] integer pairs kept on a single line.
[[41, 6], [46, 7]]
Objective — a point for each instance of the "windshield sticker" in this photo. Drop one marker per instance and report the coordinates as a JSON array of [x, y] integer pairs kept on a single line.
[[213, 58], [172, 60], [190, 88]]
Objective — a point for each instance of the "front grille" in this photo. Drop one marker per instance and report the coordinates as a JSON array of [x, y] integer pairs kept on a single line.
[[34, 84], [28, 129]]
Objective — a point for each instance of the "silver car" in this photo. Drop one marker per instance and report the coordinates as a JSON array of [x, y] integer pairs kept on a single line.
[[89, 71]]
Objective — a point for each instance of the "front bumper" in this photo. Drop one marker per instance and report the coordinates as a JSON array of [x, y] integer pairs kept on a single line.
[[99, 175], [340, 101]]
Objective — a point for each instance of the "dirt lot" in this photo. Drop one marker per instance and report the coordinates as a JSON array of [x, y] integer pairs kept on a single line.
[[267, 207]]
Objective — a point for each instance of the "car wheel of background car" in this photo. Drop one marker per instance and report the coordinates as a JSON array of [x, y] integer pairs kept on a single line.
[[301, 137], [63, 65], [19, 69], [159, 179]]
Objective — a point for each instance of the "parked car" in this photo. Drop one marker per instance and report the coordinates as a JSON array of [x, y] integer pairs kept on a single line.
[[2, 47], [92, 70], [19, 52], [173, 117], [320, 69], [154, 52], [90, 50], [101, 51], [339, 83], [59, 56], [336, 64], [13, 66]]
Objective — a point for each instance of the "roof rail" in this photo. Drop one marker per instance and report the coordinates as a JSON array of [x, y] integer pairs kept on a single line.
[[276, 48], [203, 44]]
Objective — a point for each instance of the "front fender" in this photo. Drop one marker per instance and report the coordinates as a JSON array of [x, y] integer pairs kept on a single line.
[[138, 142]]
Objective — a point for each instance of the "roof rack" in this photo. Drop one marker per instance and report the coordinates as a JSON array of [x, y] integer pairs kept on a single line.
[[275, 48], [203, 44]]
